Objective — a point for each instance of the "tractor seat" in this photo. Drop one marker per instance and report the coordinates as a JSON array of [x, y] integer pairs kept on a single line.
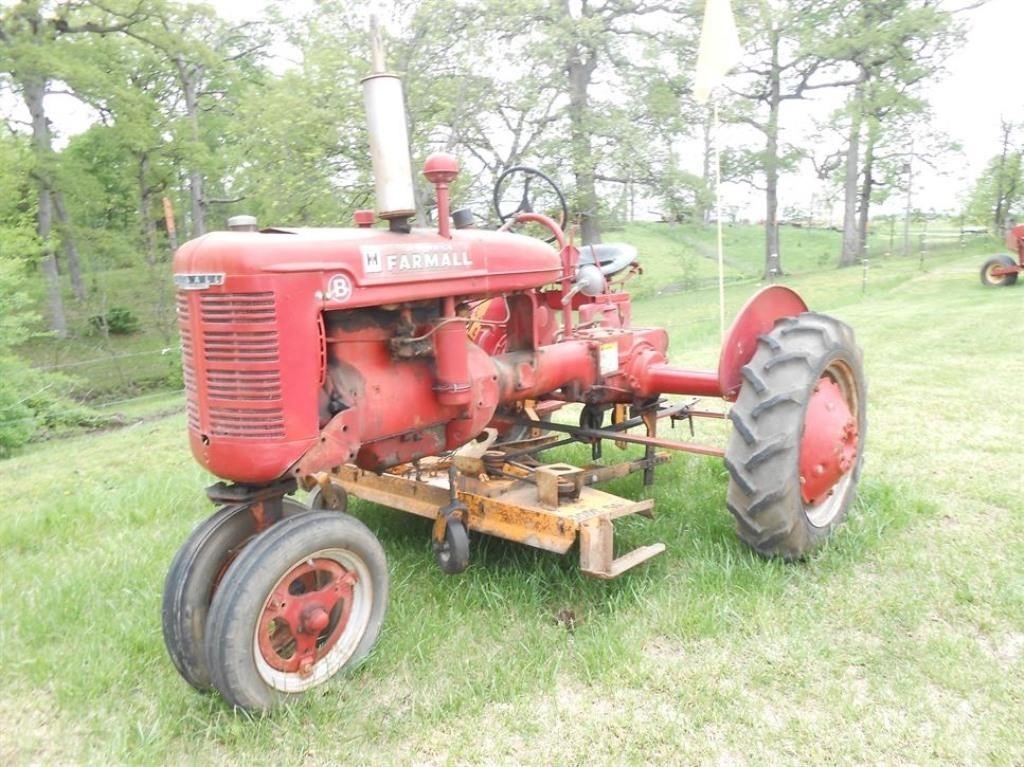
[[610, 257]]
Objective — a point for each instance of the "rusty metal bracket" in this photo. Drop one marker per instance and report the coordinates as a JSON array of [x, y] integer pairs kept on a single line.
[[456, 510]]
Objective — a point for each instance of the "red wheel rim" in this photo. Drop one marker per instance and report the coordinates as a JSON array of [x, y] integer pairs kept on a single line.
[[828, 449], [305, 615]]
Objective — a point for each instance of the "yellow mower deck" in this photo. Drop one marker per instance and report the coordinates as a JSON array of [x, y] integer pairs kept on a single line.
[[548, 506]]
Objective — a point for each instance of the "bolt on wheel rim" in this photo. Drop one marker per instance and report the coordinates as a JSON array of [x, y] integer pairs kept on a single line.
[[313, 620]]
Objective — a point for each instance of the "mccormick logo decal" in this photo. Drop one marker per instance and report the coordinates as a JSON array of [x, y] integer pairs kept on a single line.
[[403, 258], [198, 281]]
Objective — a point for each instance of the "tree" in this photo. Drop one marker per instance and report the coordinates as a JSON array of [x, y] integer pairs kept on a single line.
[[894, 46], [207, 58], [998, 193], [38, 46], [786, 61]]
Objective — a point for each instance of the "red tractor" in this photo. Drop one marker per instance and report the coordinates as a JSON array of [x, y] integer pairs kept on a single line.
[[1003, 269], [341, 361]]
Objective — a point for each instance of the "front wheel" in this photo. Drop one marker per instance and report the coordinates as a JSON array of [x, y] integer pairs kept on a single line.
[[194, 575], [305, 600], [795, 453], [991, 280]]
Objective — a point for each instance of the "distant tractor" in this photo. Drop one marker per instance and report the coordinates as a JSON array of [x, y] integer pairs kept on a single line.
[[1004, 269]]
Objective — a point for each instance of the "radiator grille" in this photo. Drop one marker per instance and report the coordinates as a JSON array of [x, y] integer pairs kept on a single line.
[[250, 308], [188, 364], [240, 347], [240, 363], [243, 384], [247, 423]]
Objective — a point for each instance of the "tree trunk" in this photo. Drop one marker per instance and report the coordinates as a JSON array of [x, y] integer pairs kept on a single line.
[[580, 65], [999, 214], [67, 238], [149, 236], [851, 232], [910, 200], [33, 91], [58, 320], [189, 87], [868, 183]]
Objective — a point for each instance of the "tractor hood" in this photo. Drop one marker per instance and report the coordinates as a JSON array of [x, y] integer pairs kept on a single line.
[[351, 268]]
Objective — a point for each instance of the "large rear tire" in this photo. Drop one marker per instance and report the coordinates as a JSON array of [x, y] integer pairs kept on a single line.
[[990, 280], [305, 600], [193, 577], [795, 453]]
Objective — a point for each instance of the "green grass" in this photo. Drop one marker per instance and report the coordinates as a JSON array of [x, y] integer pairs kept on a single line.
[[902, 641]]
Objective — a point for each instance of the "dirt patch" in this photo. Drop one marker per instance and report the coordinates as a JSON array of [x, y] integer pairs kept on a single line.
[[33, 733]]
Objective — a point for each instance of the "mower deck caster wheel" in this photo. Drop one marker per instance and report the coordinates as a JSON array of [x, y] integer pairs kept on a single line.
[[304, 601], [194, 576], [452, 554]]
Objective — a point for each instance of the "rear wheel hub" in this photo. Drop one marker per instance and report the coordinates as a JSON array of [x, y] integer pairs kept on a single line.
[[828, 450]]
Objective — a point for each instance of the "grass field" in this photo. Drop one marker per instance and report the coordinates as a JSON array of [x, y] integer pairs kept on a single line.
[[902, 641]]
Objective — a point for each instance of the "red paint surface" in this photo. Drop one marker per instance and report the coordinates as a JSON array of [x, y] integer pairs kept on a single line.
[[756, 318], [828, 449], [297, 613]]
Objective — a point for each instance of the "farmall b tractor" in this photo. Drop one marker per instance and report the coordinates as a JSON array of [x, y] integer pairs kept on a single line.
[[422, 370], [1003, 269]]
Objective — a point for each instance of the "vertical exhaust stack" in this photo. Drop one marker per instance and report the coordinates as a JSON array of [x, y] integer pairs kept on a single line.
[[389, 138]]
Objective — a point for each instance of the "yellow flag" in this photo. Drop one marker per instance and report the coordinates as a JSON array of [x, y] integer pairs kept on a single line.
[[719, 51]]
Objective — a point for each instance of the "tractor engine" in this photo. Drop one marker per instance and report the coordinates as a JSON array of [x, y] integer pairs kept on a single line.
[[308, 349]]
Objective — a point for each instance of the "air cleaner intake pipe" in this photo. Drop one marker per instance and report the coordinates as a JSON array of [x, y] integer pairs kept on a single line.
[[389, 136]]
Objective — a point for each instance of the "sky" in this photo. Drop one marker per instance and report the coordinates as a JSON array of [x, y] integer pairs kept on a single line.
[[981, 85]]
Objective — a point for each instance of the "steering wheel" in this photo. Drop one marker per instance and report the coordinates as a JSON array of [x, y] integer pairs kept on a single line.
[[522, 189]]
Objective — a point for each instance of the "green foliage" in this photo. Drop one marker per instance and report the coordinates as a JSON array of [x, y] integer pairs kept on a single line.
[[16, 247], [117, 320], [32, 402], [17, 423]]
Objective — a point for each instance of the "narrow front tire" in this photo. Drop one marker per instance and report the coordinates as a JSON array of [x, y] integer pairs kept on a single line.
[[304, 601]]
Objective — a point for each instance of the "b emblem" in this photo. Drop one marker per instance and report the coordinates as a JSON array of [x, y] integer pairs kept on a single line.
[[339, 288]]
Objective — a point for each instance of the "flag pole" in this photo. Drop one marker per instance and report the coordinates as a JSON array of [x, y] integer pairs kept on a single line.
[[718, 220], [719, 51]]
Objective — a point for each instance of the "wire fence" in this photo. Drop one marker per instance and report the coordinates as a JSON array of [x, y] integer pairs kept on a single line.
[[163, 351]]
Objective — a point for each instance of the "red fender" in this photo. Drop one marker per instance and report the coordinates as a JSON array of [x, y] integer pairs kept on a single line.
[[756, 318]]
